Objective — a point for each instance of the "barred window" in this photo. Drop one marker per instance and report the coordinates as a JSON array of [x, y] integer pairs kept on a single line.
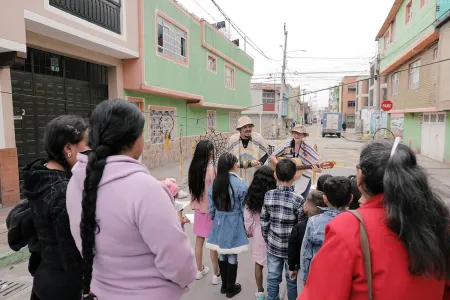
[[171, 40], [229, 77], [234, 116], [161, 121], [211, 115], [212, 63], [268, 97], [414, 75], [394, 84]]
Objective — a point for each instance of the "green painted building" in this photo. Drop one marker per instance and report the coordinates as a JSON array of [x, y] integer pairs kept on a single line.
[[189, 78], [410, 45]]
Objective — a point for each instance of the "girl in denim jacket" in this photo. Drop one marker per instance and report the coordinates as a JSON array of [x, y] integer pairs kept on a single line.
[[226, 207]]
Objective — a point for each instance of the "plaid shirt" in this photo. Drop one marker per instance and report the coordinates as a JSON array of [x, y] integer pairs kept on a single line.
[[282, 209]]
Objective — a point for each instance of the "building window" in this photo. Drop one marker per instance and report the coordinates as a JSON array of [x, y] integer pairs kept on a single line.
[[229, 77], [392, 31], [414, 75], [268, 97], [172, 41], [435, 53], [234, 116], [352, 89], [441, 118], [423, 2], [139, 102], [162, 121], [351, 104], [211, 115], [387, 40], [408, 12], [395, 83], [212, 63]]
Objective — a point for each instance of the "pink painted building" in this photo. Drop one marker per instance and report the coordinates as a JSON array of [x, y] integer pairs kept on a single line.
[[56, 57]]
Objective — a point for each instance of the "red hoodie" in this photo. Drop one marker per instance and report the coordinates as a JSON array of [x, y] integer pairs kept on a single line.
[[337, 271]]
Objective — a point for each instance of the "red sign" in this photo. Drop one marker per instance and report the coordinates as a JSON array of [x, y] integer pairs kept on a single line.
[[387, 105]]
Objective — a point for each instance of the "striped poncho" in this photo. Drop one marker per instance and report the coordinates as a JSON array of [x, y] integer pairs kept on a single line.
[[307, 155]]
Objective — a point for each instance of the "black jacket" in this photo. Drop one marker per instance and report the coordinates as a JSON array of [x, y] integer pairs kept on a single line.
[[60, 271], [295, 245]]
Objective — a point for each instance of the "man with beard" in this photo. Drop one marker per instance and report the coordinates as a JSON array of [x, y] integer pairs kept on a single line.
[[249, 147]]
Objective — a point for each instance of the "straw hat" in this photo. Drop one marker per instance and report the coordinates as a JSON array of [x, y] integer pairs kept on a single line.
[[244, 121], [300, 129]]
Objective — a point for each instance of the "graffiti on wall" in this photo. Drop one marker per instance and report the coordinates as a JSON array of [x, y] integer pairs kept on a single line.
[[397, 122], [368, 121]]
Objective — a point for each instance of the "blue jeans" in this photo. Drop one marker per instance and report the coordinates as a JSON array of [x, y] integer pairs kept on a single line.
[[274, 277], [231, 258]]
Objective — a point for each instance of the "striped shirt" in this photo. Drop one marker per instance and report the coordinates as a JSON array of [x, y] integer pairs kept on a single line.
[[282, 209], [307, 155]]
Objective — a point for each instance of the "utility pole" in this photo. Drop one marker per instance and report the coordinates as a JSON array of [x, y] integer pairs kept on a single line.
[[283, 75], [376, 93]]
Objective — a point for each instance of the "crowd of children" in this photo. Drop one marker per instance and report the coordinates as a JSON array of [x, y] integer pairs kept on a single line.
[[287, 230]]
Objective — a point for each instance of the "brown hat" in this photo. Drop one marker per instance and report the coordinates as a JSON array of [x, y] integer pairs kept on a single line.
[[300, 129], [244, 121]]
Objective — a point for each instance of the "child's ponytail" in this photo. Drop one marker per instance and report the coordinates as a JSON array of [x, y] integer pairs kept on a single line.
[[414, 211]]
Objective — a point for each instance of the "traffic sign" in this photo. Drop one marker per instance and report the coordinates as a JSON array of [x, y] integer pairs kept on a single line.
[[387, 105]]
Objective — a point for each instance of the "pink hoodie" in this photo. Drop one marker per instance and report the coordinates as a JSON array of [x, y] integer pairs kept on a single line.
[[141, 249]]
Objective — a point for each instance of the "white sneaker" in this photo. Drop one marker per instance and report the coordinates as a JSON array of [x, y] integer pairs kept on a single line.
[[200, 274], [216, 280], [182, 195], [260, 296]]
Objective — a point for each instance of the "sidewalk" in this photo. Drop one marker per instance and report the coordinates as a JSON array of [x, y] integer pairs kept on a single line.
[[438, 171]]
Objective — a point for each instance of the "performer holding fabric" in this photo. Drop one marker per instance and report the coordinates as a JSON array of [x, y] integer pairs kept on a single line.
[[298, 148], [249, 147]]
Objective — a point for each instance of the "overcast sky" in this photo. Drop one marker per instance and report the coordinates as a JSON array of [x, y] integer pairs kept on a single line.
[[324, 28]]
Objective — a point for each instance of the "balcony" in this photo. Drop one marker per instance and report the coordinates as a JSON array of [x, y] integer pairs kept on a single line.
[[104, 13]]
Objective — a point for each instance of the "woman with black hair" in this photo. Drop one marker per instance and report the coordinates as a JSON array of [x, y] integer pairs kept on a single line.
[[58, 274], [122, 219], [201, 174], [263, 181], [226, 207], [408, 228]]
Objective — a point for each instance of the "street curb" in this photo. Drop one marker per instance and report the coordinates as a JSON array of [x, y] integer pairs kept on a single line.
[[11, 258], [356, 141]]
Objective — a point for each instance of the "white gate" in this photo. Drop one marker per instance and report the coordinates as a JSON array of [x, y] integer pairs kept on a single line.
[[433, 135]]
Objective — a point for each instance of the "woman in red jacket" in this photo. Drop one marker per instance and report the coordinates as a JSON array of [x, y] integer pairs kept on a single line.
[[408, 228]]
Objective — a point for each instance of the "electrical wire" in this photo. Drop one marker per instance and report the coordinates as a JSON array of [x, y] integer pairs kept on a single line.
[[198, 4]]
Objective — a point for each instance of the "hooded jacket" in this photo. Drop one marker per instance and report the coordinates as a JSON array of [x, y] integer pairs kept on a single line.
[[141, 251], [60, 263]]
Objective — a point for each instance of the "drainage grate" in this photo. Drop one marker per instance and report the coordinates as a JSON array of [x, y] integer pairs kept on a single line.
[[9, 288]]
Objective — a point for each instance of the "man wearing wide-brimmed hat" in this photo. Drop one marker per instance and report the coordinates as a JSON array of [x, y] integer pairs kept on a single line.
[[248, 146], [297, 147]]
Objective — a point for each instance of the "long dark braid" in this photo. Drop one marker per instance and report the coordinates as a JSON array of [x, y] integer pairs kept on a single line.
[[115, 127]]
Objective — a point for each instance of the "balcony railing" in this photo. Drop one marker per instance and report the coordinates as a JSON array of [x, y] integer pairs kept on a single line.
[[104, 13]]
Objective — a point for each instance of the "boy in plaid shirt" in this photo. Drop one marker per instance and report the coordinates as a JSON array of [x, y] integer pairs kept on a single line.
[[282, 209]]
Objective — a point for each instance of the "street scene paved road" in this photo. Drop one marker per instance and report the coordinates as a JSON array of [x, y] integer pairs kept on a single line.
[[344, 152]]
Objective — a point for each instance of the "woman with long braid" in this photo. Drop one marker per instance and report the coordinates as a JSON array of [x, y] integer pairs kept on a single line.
[[122, 219]]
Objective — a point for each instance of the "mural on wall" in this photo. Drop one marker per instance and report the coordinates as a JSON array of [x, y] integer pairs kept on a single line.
[[397, 122], [368, 121]]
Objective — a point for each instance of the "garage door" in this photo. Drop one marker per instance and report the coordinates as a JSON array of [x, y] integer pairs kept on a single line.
[[433, 135], [47, 86]]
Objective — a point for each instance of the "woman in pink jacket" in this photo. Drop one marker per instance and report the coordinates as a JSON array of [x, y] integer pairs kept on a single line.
[[122, 219], [201, 175]]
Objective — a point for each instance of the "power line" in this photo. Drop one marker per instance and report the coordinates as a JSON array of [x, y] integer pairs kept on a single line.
[[329, 58], [198, 4], [242, 34], [257, 105]]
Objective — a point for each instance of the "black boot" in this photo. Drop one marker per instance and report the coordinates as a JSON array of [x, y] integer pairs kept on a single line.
[[223, 274], [233, 287]]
